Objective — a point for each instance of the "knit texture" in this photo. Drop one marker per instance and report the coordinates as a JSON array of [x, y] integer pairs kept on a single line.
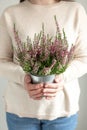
[[28, 19]]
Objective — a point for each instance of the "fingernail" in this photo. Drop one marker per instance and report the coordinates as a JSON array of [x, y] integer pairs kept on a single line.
[[56, 80], [44, 90], [41, 85], [45, 86]]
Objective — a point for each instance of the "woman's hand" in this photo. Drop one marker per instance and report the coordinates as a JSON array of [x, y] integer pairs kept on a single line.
[[51, 89], [35, 91]]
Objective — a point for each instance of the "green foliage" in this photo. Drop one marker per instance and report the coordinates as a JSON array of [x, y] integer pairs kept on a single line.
[[26, 66], [46, 54]]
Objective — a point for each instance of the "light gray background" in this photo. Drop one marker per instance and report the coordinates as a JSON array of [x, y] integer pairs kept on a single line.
[[82, 125]]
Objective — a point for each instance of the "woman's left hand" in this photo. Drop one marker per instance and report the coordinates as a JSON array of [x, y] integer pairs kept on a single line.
[[51, 89]]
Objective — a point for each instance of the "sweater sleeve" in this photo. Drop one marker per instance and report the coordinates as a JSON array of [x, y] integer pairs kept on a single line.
[[8, 69], [78, 67]]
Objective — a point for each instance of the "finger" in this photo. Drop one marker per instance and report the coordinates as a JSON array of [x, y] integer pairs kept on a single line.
[[27, 79], [34, 92], [54, 85], [53, 90], [51, 85], [32, 87], [49, 94], [40, 95], [38, 98], [58, 78], [49, 98], [46, 92]]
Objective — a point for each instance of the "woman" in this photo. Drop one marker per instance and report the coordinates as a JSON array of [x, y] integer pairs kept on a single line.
[[26, 109]]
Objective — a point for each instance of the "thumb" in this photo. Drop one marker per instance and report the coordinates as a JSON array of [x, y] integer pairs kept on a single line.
[[58, 78], [27, 78]]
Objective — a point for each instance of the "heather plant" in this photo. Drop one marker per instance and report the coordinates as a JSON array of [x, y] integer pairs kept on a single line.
[[45, 55]]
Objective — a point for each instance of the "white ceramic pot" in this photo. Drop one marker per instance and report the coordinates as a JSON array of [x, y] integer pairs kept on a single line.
[[44, 79]]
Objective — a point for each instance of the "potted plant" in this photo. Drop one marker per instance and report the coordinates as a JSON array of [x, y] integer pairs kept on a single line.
[[45, 56]]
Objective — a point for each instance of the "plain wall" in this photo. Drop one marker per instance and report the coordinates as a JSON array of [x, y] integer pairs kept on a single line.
[[82, 124]]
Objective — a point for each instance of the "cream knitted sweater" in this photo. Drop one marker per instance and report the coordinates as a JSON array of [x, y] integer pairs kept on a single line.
[[28, 18]]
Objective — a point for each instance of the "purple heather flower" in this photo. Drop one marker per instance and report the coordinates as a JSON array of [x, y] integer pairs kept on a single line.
[[45, 54]]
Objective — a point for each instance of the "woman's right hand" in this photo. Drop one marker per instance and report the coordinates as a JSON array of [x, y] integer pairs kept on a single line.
[[35, 91]]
